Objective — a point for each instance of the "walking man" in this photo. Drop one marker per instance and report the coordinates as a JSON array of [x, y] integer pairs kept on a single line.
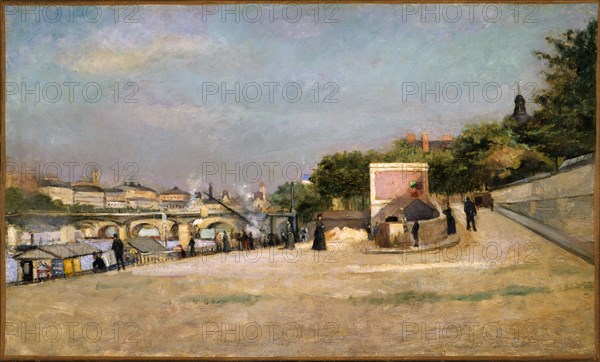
[[192, 246], [470, 211], [415, 232], [117, 247]]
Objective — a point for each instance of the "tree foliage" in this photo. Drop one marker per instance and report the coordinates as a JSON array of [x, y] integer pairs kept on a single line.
[[307, 200], [19, 201], [565, 124]]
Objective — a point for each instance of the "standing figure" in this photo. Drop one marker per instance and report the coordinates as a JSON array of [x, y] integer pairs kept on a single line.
[[376, 230], [450, 221], [251, 241], [226, 247], [117, 247], [415, 232], [319, 242], [219, 242], [192, 247], [303, 234], [470, 211], [290, 237], [244, 240], [492, 204]]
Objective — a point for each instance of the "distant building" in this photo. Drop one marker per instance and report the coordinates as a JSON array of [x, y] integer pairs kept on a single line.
[[260, 200], [25, 181], [429, 145], [174, 199], [88, 195], [143, 203], [225, 196], [115, 198], [57, 190], [140, 197]]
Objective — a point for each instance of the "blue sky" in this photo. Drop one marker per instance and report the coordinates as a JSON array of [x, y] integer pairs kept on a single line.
[[376, 59]]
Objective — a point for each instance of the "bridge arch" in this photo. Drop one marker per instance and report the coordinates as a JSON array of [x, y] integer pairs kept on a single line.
[[96, 228], [134, 227], [210, 222]]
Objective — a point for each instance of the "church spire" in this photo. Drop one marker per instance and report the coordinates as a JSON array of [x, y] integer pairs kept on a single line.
[[520, 113]]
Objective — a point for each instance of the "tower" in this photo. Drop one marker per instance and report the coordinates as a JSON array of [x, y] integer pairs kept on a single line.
[[520, 113]]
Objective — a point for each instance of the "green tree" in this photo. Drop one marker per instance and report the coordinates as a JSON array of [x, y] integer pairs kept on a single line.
[[19, 201], [401, 151], [565, 123], [343, 175], [307, 200], [15, 200]]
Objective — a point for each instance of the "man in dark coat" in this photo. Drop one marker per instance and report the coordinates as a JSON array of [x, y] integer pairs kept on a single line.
[[251, 241], [99, 265], [450, 221], [415, 232], [117, 247], [470, 211], [192, 246], [319, 242]]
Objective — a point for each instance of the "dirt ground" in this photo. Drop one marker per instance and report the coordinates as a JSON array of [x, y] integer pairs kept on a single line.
[[501, 291]]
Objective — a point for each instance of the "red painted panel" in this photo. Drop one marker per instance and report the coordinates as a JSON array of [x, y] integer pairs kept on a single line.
[[391, 184]]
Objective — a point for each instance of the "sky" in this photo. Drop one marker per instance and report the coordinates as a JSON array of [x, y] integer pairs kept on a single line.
[[238, 94]]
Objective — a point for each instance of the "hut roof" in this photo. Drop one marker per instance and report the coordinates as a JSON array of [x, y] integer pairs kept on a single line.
[[146, 245], [175, 191], [397, 206], [34, 254], [58, 251]]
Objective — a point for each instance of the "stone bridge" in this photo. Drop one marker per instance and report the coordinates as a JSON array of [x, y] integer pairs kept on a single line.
[[170, 225]]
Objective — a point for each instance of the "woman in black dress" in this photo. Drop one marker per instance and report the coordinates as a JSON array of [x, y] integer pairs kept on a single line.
[[450, 221], [319, 242]]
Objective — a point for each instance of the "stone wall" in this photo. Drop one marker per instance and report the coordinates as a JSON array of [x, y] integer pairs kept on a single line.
[[431, 232], [564, 201]]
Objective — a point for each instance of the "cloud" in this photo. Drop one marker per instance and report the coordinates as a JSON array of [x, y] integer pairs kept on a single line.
[[107, 59]]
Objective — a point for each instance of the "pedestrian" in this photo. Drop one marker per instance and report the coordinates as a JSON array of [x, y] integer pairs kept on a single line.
[[219, 242], [470, 211], [492, 204], [245, 242], [319, 242], [290, 237], [368, 228], [182, 251], [226, 247], [415, 232], [450, 221], [117, 247], [99, 265], [376, 230], [304, 234], [251, 241], [192, 247]]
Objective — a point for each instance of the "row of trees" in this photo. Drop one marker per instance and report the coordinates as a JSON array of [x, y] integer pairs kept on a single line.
[[484, 155]]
